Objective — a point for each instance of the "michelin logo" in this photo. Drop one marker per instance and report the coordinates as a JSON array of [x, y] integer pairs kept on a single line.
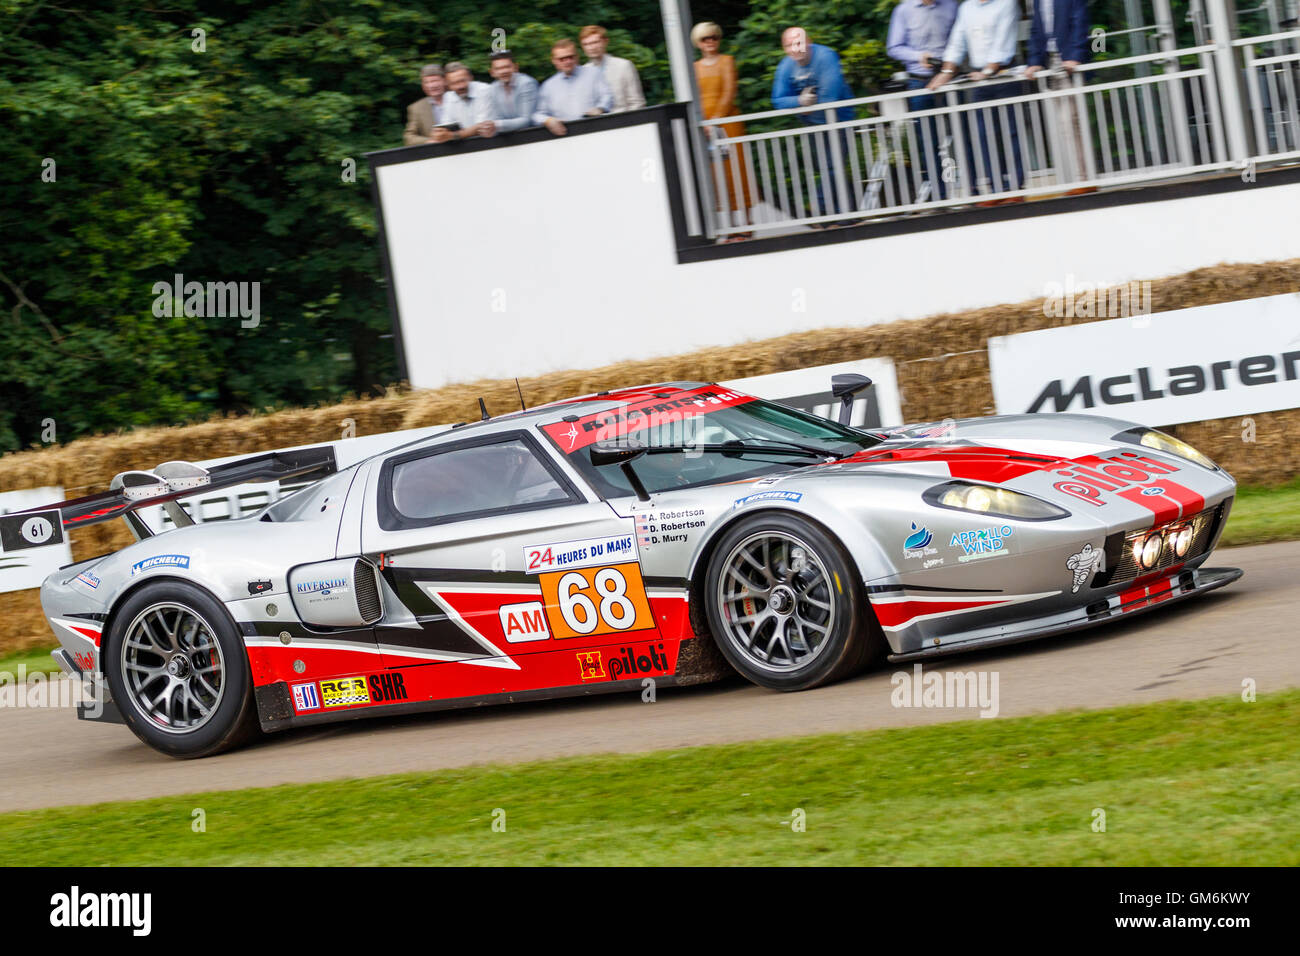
[[161, 561], [791, 496]]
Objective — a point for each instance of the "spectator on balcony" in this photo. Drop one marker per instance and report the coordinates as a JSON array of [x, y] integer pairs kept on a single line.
[[985, 34], [514, 94], [1058, 41], [429, 111], [470, 108], [918, 35], [620, 75], [715, 74], [810, 74], [572, 93]]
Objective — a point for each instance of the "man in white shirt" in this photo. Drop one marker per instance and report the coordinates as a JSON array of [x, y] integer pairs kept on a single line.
[[620, 75], [470, 105], [985, 34]]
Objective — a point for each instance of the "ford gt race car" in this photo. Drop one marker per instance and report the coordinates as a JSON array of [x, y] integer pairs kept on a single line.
[[673, 532]]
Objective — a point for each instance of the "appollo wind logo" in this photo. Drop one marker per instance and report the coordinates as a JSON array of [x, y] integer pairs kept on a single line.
[[982, 541], [1140, 385], [73, 909]]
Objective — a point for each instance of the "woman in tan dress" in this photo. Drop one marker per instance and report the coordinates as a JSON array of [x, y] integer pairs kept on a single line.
[[716, 76]]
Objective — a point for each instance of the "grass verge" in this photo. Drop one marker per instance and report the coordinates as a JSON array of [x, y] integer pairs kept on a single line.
[[1260, 515], [1213, 782]]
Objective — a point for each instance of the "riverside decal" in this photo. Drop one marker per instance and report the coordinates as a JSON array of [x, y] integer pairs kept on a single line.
[[322, 588], [160, 561]]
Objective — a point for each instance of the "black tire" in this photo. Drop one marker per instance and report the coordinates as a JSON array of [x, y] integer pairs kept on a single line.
[[824, 574], [231, 715]]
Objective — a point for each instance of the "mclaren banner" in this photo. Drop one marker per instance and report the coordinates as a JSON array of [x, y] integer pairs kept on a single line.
[[1212, 361]]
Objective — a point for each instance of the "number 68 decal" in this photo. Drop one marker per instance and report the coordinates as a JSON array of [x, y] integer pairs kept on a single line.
[[585, 602]]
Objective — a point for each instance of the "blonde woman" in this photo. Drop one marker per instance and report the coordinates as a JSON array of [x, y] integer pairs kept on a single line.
[[715, 73]]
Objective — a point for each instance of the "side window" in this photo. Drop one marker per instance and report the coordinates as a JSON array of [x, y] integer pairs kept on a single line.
[[466, 481]]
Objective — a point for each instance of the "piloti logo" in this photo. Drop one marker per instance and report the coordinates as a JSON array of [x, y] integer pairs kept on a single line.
[[630, 662], [1091, 477]]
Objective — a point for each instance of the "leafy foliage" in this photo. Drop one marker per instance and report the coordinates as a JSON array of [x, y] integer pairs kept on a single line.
[[133, 149]]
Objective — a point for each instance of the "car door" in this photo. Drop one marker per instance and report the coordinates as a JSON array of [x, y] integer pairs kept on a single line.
[[498, 561]]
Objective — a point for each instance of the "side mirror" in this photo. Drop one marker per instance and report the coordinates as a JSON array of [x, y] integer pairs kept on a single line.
[[616, 452], [621, 453], [845, 387]]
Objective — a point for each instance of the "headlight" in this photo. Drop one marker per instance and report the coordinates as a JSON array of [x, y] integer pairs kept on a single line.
[[1146, 551], [995, 502], [1168, 444]]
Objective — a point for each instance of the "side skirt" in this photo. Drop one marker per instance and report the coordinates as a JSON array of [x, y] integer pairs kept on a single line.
[[275, 708]]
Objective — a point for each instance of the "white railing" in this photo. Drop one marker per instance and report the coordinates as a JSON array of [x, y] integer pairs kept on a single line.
[[1110, 124], [1272, 84]]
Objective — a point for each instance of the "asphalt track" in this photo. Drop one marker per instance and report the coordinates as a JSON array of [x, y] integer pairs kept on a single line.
[[1203, 647]]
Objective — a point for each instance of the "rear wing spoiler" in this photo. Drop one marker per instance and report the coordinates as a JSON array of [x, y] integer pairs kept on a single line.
[[164, 485]]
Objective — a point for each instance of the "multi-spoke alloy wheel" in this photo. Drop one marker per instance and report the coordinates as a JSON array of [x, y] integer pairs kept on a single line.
[[178, 670], [777, 599], [784, 603], [173, 667]]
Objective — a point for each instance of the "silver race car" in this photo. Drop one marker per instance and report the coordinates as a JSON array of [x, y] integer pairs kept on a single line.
[[671, 532]]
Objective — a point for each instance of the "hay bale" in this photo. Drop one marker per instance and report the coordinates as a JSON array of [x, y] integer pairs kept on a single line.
[[943, 372]]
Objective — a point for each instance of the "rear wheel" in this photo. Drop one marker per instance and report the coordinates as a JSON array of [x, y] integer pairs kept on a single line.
[[785, 606], [178, 671]]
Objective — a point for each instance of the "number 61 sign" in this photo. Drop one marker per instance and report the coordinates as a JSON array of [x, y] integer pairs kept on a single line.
[[30, 529]]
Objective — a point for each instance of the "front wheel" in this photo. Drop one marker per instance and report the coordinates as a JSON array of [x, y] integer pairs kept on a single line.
[[784, 604], [178, 671]]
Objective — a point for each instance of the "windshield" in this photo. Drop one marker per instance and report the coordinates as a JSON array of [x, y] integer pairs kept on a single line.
[[696, 422]]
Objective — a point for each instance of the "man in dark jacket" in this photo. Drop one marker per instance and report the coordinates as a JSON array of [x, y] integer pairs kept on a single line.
[[1058, 41], [1059, 29]]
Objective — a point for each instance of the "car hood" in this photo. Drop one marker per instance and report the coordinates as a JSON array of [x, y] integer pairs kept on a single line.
[[1073, 461]]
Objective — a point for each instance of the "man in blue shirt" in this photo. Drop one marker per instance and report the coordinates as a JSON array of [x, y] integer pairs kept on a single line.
[[573, 92], [514, 94], [810, 74], [918, 35]]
